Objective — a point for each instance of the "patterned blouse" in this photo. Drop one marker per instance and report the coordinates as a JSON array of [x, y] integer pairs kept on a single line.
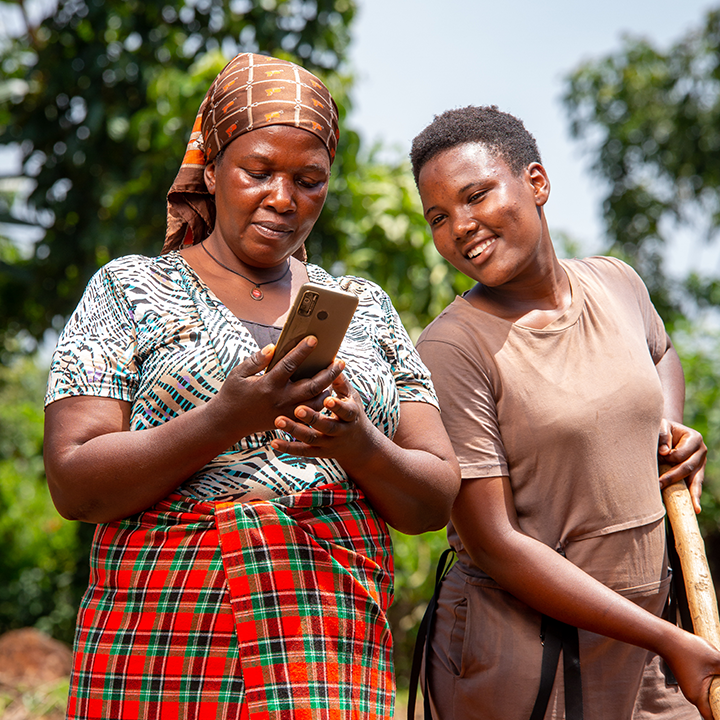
[[148, 331]]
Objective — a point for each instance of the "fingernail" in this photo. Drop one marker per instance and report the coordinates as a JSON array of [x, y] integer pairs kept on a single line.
[[280, 424], [311, 340], [267, 350]]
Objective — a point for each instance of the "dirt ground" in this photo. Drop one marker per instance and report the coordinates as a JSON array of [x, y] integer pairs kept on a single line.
[[34, 673]]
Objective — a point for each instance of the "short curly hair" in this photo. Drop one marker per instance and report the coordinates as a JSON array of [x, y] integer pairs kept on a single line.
[[500, 132]]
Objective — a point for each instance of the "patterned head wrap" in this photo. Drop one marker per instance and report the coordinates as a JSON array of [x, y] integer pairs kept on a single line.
[[251, 92]]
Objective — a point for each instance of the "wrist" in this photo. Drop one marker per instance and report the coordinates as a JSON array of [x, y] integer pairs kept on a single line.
[[670, 642], [367, 450], [219, 422]]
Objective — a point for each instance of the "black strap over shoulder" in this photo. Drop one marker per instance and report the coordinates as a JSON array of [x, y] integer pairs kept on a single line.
[[422, 643]]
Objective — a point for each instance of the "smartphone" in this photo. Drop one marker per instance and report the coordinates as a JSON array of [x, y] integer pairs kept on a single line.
[[320, 311]]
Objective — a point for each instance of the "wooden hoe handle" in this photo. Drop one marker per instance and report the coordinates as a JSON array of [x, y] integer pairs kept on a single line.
[[698, 582]]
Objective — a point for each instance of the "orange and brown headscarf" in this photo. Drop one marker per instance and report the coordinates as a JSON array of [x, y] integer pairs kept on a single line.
[[251, 92]]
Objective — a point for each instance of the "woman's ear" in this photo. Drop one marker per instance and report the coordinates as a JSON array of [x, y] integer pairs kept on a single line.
[[209, 175], [540, 181]]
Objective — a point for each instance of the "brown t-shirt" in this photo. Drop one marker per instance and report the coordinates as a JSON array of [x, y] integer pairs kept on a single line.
[[570, 413]]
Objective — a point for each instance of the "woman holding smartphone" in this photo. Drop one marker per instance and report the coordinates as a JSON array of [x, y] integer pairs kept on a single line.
[[241, 565], [559, 387]]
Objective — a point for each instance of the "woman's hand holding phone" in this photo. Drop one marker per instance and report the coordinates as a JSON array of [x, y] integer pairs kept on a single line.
[[298, 370], [254, 399]]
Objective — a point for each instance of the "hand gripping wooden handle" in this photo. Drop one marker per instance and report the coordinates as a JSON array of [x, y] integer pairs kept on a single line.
[[698, 582]]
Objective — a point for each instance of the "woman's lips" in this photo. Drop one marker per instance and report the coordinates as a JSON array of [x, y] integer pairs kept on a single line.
[[273, 230], [479, 248]]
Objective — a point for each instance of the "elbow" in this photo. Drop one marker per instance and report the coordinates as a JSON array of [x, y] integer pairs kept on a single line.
[[429, 526], [432, 512], [435, 516], [65, 510], [440, 506], [429, 520], [71, 499], [55, 485], [69, 508], [419, 524]]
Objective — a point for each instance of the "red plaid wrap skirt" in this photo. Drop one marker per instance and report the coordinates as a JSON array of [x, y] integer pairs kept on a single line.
[[265, 609]]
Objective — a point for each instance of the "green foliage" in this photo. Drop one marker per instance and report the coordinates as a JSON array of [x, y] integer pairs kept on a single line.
[[651, 120], [99, 100], [699, 349], [43, 565], [415, 564], [44, 702]]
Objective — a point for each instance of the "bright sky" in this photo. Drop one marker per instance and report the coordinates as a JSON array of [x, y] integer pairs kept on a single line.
[[416, 58]]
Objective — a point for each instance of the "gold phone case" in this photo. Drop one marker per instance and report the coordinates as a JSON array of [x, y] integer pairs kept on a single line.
[[320, 311]]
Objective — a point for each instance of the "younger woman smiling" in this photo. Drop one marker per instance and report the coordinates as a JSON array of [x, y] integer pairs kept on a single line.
[[558, 386]]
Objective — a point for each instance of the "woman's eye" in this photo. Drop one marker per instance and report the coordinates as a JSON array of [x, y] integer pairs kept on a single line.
[[256, 174], [476, 196], [310, 184], [436, 220]]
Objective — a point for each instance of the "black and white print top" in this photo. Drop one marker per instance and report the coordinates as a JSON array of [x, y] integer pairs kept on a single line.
[[148, 331]]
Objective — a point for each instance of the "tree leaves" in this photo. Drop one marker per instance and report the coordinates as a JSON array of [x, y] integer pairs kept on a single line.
[[99, 100], [651, 120]]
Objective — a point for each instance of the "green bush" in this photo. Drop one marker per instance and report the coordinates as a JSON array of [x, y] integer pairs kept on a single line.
[[416, 559], [43, 564]]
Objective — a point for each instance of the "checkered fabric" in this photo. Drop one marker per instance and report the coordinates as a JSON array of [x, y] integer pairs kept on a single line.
[[258, 610]]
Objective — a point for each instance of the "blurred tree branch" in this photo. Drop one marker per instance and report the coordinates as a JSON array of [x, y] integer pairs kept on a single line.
[[651, 122]]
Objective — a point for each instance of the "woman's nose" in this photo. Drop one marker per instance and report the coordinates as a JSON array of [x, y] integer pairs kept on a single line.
[[281, 195], [464, 224]]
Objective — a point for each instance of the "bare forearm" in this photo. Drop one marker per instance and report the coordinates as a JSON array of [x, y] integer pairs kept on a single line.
[[681, 449], [411, 480], [544, 580], [413, 490], [549, 583], [485, 518], [672, 379], [117, 474], [98, 470]]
